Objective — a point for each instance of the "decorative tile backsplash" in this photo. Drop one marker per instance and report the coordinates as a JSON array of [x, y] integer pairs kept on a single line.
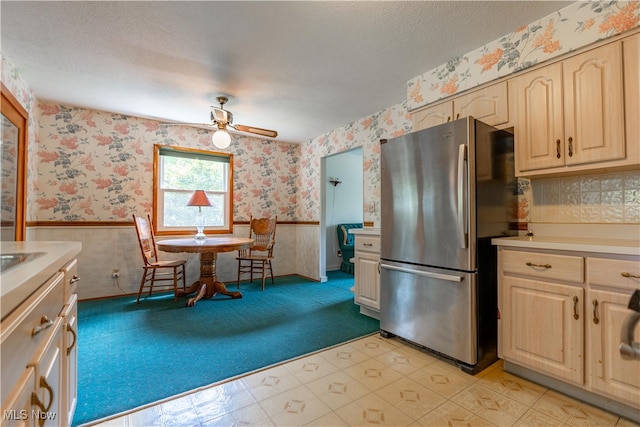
[[603, 198]]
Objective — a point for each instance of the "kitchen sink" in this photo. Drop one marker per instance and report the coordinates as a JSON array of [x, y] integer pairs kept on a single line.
[[8, 261]]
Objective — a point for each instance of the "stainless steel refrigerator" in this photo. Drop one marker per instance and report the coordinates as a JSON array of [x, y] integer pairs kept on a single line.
[[446, 192]]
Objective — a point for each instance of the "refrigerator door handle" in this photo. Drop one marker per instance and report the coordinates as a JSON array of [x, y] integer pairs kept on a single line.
[[462, 236], [448, 277]]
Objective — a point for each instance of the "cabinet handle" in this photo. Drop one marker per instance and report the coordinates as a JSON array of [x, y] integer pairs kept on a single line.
[[575, 308], [448, 119], [74, 279], [36, 401], [558, 154], [457, 116], [367, 244], [45, 323], [75, 338], [625, 274], [570, 147], [530, 264], [378, 267], [595, 312], [45, 384]]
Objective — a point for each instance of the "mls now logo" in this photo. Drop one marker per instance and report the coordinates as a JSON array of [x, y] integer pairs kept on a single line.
[[15, 414], [23, 414]]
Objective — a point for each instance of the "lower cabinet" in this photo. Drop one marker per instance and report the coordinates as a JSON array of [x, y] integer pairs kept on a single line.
[[610, 284], [69, 315], [541, 328], [560, 322], [367, 274], [70, 359], [17, 407], [39, 355], [48, 400], [32, 359]]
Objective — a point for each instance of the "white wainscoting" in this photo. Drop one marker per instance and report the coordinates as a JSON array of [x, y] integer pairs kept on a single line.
[[108, 248]]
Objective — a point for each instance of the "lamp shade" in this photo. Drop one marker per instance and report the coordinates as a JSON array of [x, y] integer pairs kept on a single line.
[[221, 138], [199, 198]]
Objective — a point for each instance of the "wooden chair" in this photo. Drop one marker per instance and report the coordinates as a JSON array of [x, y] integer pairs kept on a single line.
[[155, 271], [258, 257]]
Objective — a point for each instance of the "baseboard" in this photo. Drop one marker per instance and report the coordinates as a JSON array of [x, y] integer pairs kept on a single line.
[[369, 312], [602, 402]]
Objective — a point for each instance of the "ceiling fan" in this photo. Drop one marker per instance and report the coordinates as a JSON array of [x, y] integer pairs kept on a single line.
[[221, 118]]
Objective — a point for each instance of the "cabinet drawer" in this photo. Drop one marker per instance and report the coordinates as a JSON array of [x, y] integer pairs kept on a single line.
[[548, 266], [36, 315], [369, 244], [71, 279], [613, 272]]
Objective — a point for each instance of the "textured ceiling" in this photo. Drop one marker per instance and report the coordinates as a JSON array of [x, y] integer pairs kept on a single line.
[[302, 68]]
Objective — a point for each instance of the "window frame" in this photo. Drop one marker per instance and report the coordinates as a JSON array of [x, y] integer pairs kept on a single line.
[[227, 228]]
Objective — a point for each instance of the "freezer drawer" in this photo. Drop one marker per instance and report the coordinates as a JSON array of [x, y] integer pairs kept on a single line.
[[431, 307]]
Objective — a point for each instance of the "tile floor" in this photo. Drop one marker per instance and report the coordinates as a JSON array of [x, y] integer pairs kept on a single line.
[[371, 381]]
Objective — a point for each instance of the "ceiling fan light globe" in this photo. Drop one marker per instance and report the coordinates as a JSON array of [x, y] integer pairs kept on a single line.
[[221, 138]]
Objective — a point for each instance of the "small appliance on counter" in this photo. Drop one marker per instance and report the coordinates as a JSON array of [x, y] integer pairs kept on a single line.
[[446, 192]]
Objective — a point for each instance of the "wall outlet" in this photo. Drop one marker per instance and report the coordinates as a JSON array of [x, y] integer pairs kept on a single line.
[[115, 273]]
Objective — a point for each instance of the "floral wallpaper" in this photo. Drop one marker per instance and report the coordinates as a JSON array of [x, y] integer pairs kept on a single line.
[[98, 166], [577, 25], [365, 133], [19, 88]]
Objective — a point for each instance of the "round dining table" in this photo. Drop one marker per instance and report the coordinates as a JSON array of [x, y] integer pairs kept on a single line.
[[207, 286]]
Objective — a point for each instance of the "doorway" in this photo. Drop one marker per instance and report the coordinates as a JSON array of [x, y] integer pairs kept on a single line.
[[342, 197]]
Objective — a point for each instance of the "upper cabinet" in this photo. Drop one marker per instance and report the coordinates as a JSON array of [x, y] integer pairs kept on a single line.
[[581, 113], [594, 105], [432, 116], [570, 115], [631, 52], [537, 109], [488, 105]]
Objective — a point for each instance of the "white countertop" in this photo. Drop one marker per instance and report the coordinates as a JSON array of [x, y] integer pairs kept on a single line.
[[17, 283], [368, 231], [579, 244]]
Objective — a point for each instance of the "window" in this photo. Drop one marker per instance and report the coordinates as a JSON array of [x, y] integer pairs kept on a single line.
[[178, 172]]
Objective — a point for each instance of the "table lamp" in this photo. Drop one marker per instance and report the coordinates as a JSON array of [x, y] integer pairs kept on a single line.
[[199, 198]]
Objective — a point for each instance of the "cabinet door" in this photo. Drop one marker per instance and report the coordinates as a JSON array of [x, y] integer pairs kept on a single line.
[[594, 105], [538, 130], [543, 328], [47, 362], [69, 393], [631, 52], [367, 280], [488, 105], [609, 373], [432, 116], [16, 409]]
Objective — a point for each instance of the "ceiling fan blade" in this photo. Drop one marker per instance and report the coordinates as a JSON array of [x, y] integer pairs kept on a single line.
[[186, 124], [257, 131]]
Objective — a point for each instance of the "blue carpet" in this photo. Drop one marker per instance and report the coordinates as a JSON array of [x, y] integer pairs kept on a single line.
[[132, 354]]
